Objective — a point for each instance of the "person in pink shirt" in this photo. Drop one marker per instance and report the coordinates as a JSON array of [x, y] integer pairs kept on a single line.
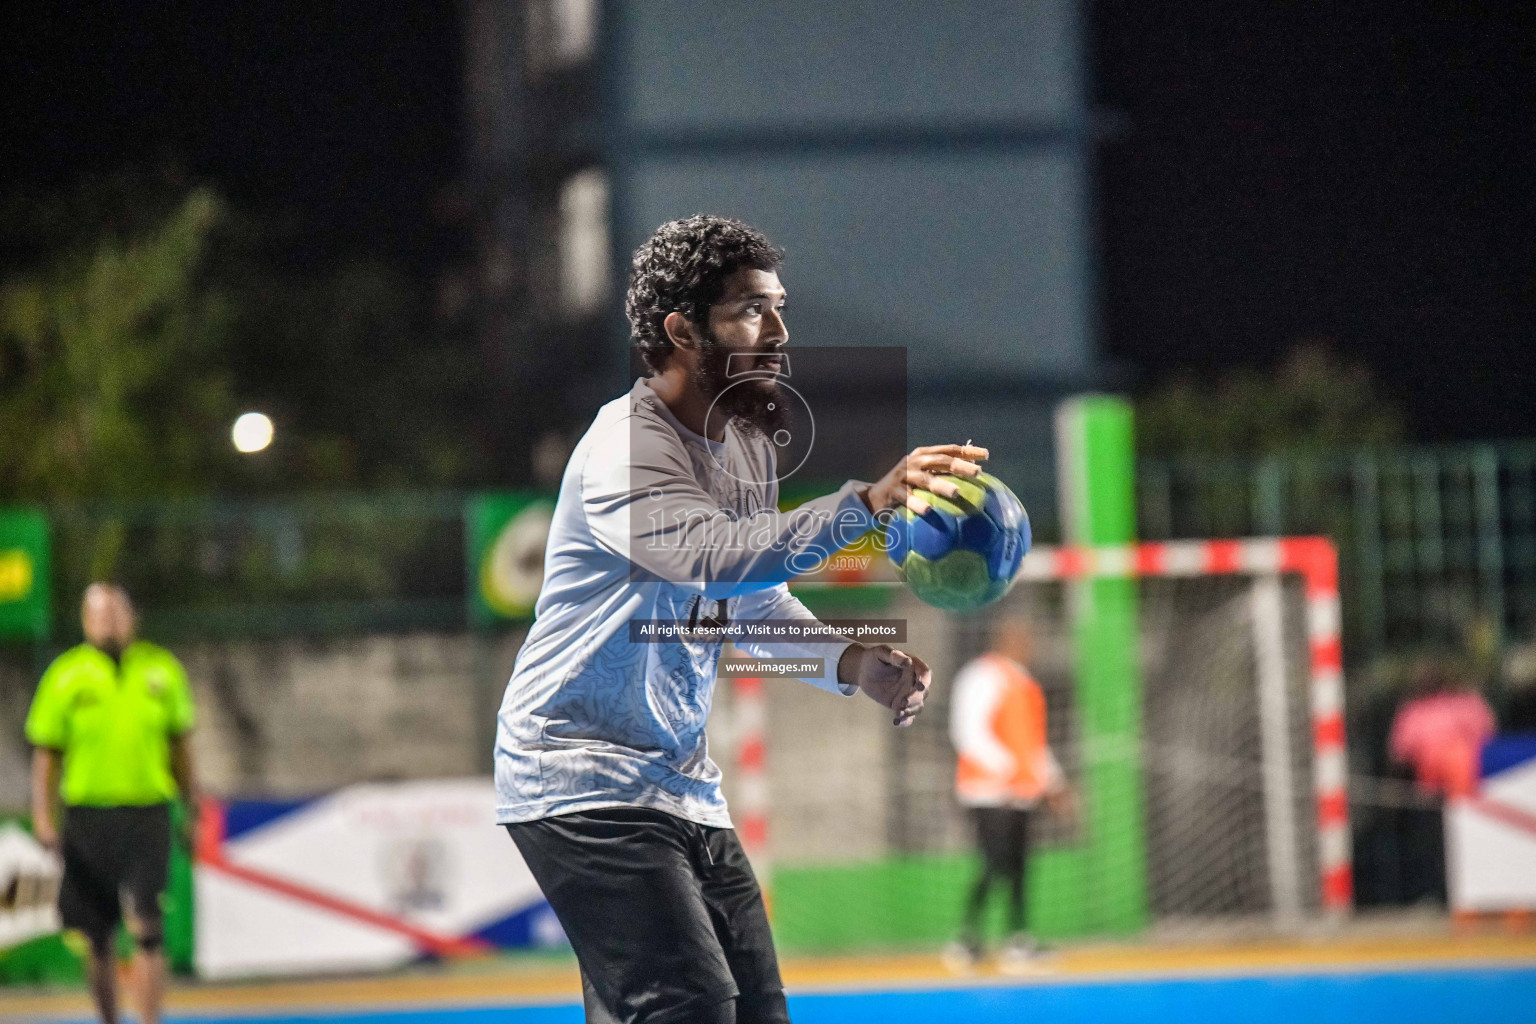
[[1439, 735]]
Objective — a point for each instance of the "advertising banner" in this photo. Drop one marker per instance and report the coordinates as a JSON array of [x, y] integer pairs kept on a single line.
[[505, 534], [29, 886], [24, 574], [1490, 835], [371, 877]]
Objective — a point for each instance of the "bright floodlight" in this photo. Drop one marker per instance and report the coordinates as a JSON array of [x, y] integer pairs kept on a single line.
[[252, 432]]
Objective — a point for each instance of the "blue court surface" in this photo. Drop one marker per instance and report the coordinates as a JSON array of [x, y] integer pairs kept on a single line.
[[1408, 996]]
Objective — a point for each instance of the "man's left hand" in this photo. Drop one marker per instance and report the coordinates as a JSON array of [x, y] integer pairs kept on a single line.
[[892, 678]]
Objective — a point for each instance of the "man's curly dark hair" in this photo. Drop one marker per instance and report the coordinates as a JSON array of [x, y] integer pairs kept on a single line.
[[682, 268]]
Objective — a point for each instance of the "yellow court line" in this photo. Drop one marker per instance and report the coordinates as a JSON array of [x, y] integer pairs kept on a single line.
[[559, 982], [1085, 964], [542, 984]]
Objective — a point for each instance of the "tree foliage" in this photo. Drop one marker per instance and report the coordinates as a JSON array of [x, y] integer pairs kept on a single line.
[[139, 316], [112, 381], [362, 395], [1312, 401]]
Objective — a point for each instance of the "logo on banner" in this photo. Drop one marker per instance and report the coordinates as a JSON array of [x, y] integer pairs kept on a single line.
[[16, 575], [416, 874], [511, 568]]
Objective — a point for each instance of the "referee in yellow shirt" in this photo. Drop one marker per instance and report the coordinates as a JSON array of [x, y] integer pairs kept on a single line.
[[110, 730]]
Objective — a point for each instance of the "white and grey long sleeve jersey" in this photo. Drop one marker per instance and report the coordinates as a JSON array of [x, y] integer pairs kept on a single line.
[[653, 522]]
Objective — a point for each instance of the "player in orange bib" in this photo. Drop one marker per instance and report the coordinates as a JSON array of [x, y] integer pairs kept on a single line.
[[1006, 767]]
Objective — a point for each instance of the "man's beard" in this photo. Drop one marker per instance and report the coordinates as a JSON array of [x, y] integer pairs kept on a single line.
[[756, 402]]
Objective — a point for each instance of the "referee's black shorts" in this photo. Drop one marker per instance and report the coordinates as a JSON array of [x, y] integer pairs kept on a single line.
[[115, 858], [664, 914]]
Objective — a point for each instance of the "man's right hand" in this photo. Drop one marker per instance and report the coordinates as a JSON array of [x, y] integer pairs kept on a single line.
[[921, 471]]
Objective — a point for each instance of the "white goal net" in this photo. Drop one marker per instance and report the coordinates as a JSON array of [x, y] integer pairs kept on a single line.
[[1235, 761]]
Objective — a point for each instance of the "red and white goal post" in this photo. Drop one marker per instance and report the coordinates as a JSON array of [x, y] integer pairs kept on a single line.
[[1314, 560]]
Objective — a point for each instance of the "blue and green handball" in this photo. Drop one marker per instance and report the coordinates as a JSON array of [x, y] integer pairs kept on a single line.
[[965, 551]]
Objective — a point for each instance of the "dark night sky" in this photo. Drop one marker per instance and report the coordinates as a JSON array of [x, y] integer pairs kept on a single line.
[[343, 115], [1362, 173]]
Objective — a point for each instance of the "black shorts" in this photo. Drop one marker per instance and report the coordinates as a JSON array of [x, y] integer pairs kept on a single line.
[[664, 914], [115, 856]]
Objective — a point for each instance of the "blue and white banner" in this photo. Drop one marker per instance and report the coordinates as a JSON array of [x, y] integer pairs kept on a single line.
[[1490, 836], [368, 878]]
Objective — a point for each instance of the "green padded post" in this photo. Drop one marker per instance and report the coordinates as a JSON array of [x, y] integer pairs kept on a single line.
[[1096, 462]]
